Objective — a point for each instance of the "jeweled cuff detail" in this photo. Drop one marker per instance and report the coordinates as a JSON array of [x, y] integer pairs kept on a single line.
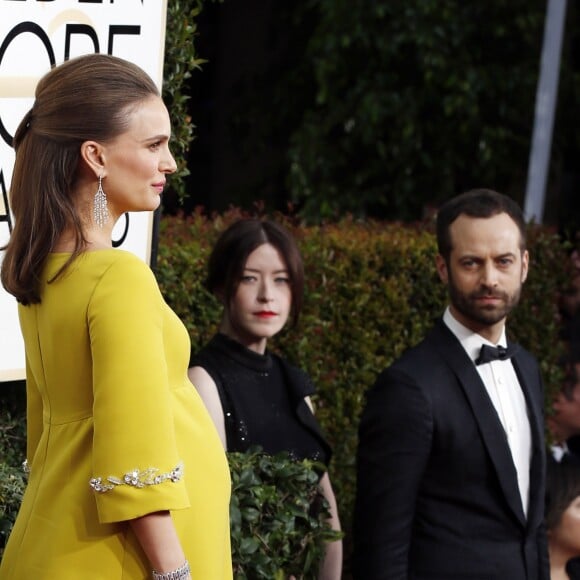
[[137, 478]]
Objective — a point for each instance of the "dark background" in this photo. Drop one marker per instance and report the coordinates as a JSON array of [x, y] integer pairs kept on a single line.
[[252, 101]]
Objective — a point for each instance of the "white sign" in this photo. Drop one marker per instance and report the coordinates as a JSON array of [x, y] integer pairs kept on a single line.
[[34, 36]]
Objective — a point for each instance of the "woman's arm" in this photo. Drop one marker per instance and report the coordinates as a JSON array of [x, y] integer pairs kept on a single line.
[[331, 567], [208, 392], [159, 541]]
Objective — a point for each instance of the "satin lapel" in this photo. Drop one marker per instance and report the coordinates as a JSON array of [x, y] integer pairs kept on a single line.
[[532, 389], [484, 414]]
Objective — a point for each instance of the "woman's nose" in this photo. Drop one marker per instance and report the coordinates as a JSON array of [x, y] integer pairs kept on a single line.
[[265, 292], [168, 164]]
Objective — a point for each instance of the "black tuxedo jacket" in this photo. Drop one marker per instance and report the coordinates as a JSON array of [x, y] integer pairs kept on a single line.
[[437, 494]]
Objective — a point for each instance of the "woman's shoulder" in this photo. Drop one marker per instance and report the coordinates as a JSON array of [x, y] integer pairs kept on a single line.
[[297, 379], [120, 264], [121, 276]]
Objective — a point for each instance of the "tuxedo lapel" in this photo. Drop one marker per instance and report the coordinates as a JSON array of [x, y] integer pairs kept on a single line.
[[484, 414]]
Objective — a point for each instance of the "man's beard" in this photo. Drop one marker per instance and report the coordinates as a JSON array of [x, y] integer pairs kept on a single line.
[[487, 315]]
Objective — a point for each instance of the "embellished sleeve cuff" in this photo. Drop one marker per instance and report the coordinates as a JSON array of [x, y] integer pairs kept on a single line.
[[137, 478], [139, 492]]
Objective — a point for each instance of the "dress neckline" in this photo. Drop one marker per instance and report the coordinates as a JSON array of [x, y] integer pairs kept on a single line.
[[242, 355]]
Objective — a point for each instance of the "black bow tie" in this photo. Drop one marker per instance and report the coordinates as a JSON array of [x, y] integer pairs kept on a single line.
[[489, 353]]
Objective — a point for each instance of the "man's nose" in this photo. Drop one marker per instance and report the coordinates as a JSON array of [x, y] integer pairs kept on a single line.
[[489, 274]]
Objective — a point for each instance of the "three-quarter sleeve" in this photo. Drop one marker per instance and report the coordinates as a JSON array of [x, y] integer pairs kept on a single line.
[[137, 468]]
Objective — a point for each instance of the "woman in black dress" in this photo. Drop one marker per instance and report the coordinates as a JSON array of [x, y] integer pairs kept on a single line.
[[256, 397]]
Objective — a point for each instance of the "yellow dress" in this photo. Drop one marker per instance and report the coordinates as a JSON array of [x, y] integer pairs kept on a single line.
[[115, 430]]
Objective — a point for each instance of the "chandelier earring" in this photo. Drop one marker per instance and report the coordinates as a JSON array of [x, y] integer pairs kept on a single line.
[[100, 209]]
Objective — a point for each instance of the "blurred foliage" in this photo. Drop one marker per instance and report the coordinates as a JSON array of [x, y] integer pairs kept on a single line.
[[415, 101], [278, 517], [181, 59], [12, 454], [387, 108], [12, 483], [371, 292]]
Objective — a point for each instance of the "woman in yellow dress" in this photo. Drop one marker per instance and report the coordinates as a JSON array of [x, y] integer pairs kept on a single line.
[[128, 479]]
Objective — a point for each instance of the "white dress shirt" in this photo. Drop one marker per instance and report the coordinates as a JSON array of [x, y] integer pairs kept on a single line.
[[505, 392]]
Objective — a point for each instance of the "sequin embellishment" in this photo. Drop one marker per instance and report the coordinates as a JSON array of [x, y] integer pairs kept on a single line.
[[137, 478]]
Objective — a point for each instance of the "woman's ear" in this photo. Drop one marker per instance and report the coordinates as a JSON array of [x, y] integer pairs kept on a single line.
[[92, 155]]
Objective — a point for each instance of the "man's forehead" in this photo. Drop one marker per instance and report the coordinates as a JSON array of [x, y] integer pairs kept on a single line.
[[499, 229]]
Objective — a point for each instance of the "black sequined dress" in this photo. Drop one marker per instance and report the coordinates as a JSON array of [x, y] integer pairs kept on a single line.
[[262, 397]]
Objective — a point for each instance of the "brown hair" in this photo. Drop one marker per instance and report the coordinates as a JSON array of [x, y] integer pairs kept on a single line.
[[230, 254], [87, 98], [477, 203], [562, 487]]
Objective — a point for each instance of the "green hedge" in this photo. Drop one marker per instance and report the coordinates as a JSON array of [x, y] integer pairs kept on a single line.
[[12, 485], [278, 517], [12, 452], [372, 291]]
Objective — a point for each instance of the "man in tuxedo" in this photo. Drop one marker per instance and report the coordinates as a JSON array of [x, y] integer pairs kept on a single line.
[[451, 458]]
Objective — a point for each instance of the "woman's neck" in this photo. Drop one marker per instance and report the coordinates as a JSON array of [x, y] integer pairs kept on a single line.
[[257, 344], [96, 239], [558, 561]]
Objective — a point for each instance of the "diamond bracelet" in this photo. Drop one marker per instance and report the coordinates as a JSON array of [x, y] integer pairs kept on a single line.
[[178, 574]]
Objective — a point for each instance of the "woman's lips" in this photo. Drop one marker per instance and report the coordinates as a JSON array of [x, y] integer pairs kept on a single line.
[[265, 314]]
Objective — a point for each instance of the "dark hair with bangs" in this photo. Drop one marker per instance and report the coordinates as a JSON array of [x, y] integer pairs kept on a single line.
[[230, 254], [477, 203]]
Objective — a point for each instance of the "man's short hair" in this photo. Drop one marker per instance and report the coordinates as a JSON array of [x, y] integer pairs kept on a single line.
[[477, 203]]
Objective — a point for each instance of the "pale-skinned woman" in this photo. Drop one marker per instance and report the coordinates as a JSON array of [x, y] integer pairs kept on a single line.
[[128, 479], [254, 396]]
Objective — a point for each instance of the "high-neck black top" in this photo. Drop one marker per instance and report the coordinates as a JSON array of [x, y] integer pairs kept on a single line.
[[262, 398]]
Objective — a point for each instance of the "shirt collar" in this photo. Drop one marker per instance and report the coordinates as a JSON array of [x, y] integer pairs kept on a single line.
[[470, 341]]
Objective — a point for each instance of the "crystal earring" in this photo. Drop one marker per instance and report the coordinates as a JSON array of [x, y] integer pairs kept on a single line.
[[100, 209]]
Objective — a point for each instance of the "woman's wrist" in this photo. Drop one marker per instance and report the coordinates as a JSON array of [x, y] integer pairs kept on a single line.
[[181, 573]]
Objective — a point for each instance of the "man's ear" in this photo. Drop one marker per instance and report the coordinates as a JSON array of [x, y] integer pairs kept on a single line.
[[92, 154], [441, 266], [525, 265]]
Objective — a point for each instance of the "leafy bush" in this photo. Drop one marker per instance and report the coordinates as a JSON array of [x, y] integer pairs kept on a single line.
[[12, 452], [181, 60], [12, 484], [383, 108], [436, 103], [278, 517]]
